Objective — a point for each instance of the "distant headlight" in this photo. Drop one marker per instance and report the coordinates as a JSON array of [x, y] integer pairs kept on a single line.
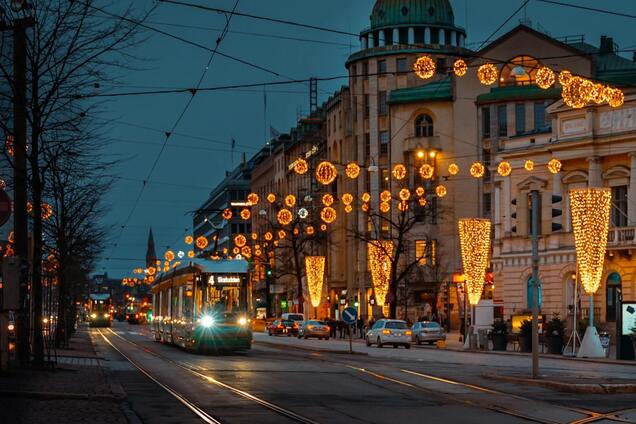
[[93, 316], [106, 315], [242, 321], [207, 321]]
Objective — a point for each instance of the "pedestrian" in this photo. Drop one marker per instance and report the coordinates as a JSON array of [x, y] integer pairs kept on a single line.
[[361, 327], [343, 329], [332, 327]]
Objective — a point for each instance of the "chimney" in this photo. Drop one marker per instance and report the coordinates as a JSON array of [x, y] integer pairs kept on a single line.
[[607, 45]]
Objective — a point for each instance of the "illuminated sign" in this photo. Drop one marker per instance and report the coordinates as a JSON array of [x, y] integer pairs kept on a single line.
[[629, 318], [224, 280]]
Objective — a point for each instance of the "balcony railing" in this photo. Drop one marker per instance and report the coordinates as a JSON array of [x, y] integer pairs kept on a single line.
[[621, 237]]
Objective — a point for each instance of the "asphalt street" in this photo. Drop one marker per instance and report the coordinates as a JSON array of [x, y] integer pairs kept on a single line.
[[276, 382]]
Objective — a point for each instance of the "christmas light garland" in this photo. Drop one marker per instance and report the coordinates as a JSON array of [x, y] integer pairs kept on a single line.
[[380, 253], [315, 271], [474, 240]]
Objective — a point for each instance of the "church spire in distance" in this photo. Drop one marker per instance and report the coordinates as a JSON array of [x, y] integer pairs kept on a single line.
[[151, 254]]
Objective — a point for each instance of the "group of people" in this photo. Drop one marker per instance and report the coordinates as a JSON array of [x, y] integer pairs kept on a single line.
[[339, 329]]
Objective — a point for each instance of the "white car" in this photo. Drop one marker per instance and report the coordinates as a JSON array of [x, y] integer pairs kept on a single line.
[[389, 331]]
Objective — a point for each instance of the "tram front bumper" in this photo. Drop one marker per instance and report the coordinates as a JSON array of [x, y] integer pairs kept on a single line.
[[223, 337]]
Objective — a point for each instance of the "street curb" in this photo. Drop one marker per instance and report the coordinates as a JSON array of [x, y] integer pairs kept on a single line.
[[309, 349], [60, 395], [600, 388]]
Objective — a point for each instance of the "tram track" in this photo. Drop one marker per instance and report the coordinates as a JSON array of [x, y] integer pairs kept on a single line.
[[192, 370]]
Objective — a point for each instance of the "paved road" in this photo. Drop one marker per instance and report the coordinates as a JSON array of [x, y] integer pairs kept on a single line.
[[274, 383]]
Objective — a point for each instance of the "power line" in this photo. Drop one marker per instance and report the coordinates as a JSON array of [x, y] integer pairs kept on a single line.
[[503, 24], [591, 9]]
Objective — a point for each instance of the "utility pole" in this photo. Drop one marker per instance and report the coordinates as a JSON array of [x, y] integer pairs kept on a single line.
[[535, 281]]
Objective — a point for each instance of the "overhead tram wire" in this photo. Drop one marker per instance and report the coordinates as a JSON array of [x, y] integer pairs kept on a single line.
[[588, 8], [487, 40]]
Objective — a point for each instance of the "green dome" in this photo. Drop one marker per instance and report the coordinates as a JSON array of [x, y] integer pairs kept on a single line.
[[412, 12]]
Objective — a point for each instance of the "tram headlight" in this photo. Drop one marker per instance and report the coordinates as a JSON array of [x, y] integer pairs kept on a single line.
[[207, 321], [93, 315], [242, 321]]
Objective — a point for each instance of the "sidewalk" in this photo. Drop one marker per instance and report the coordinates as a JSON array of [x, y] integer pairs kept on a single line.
[[77, 390]]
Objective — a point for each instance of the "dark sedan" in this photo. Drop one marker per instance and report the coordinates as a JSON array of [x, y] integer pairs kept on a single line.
[[282, 327]]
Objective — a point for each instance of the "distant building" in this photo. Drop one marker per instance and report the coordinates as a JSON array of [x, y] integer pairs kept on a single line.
[[151, 253]]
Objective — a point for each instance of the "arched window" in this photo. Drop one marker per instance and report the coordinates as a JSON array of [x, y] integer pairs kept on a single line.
[[424, 126], [520, 70], [612, 289], [530, 292]]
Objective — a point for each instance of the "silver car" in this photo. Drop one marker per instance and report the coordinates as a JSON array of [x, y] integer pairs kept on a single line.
[[427, 332], [389, 331]]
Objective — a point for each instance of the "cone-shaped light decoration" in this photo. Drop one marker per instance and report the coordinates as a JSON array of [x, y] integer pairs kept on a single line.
[[590, 221], [315, 269], [380, 253], [474, 238]]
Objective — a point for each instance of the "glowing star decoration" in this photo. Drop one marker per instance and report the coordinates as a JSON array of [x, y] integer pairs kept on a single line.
[[427, 171], [529, 165], [554, 166], [403, 206], [474, 240], [152, 270], [290, 200], [240, 240], [327, 199], [326, 173], [180, 254], [366, 197], [504, 169], [420, 191], [328, 215], [385, 207], [301, 167], [246, 251], [487, 74], [590, 208], [189, 240], [284, 217], [441, 191], [315, 271], [269, 236], [201, 242], [348, 208], [190, 253], [545, 77], [227, 214], [352, 170], [477, 170], [169, 256], [460, 68], [424, 67], [565, 77], [271, 197], [380, 254], [399, 171], [282, 234], [385, 196], [246, 214], [253, 199], [303, 213], [453, 169], [404, 194], [347, 199], [310, 230]]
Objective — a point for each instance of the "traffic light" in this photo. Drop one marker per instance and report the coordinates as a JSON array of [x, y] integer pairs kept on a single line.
[[556, 212], [268, 272]]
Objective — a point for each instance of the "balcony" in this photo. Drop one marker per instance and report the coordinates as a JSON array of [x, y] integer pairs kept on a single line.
[[427, 143], [621, 237]]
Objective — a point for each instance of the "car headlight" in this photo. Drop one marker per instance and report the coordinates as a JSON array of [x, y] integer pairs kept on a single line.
[[106, 315], [242, 321], [207, 321], [93, 315]]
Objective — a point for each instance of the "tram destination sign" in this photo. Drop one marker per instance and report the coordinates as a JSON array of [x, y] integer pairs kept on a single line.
[[224, 280]]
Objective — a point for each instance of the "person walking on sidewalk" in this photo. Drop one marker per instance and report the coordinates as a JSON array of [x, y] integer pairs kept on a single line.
[[361, 327]]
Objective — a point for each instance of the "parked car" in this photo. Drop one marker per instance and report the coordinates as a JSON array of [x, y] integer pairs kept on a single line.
[[283, 327], [293, 316], [313, 328], [427, 332], [389, 331]]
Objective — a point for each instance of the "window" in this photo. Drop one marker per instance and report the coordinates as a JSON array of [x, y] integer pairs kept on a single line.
[[487, 199], [520, 118], [619, 206], [366, 106], [384, 174], [365, 69], [530, 294], [502, 120], [485, 122], [520, 70], [367, 146], [541, 118], [402, 65], [424, 126], [612, 290], [382, 105], [420, 252], [381, 66], [384, 142]]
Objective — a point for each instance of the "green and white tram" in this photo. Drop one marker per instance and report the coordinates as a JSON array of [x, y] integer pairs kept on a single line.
[[202, 305]]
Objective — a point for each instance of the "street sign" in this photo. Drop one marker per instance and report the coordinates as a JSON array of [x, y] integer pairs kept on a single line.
[[5, 207], [350, 315]]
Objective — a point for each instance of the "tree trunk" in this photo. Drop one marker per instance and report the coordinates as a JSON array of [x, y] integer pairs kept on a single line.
[[36, 195], [299, 282]]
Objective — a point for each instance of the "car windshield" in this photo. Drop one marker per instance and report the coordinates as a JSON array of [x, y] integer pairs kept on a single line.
[[315, 323], [396, 325], [430, 325], [295, 317]]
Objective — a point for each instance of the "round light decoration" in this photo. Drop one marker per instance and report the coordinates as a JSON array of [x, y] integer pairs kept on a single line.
[[246, 251], [441, 191], [453, 169], [554, 166], [246, 214], [303, 213], [352, 170], [426, 171], [328, 215], [152, 270], [404, 194], [190, 253], [347, 199], [282, 234], [254, 236], [474, 240], [385, 196], [327, 199], [47, 211], [385, 207], [399, 171], [227, 214], [315, 272], [169, 255], [310, 230], [240, 240], [565, 77], [615, 97], [577, 92], [180, 254], [290, 200], [424, 67], [504, 169], [477, 170], [348, 208], [271, 197], [326, 173], [403, 206], [422, 201], [599, 94], [420, 191], [201, 242], [545, 77], [284, 217], [323, 227], [460, 68], [253, 199], [590, 208], [365, 207], [529, 165], [189, 240], [487, 74], [380, 254], [366, 197], [269, 236], [301, 167]]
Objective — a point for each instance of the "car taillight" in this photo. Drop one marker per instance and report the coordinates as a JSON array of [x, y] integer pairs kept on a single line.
[[295, 325], [386, 331], [310, 327], [280, 325], [327, 328]]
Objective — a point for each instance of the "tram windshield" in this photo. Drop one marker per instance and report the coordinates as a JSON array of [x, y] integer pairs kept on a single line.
[[222, 295]]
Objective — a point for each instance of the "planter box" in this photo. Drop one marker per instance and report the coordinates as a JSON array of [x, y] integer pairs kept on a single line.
[[499, 342], [525, 343]]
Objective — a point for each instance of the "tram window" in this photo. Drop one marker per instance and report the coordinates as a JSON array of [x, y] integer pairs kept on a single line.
[[187, 302], [223, 299]]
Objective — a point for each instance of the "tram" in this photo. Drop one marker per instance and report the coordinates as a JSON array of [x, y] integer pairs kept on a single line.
[[202, 306], [137, 311], [99, 305]]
